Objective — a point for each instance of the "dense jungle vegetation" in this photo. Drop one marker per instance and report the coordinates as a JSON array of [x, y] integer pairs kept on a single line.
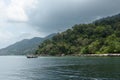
[[99, 37]]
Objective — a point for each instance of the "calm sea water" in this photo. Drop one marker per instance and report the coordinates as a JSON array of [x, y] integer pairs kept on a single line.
[[59, 68]]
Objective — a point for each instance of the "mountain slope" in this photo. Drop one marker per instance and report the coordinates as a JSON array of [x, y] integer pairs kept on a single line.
[[101, 36], [26, 46]]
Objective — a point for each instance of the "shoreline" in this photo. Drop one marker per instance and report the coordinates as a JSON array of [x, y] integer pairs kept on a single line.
[[84, 55], [100, 55]]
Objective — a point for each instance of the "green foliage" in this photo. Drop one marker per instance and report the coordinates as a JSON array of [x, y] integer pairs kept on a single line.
[[101, 36], [112, 44], [84, 50], [94, 47]]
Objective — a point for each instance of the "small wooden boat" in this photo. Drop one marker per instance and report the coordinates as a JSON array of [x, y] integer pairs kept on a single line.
[[32, 56]]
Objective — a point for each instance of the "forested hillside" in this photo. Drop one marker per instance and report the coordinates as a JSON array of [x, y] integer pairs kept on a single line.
[[101, 36]]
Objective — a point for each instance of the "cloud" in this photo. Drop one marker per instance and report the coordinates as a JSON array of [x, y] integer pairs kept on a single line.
[[15, 10], [13, 18], [54, 15], [2, 11]]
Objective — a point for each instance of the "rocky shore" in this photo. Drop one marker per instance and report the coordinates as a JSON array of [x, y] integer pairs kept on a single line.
[[86, 55], [100, 55]]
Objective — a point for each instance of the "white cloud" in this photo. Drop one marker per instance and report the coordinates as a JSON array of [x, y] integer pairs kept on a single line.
[[2, 11], [16, 9], [16, 13]]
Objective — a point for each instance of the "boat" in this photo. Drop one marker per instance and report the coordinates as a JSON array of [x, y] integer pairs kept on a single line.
[[32, 56]]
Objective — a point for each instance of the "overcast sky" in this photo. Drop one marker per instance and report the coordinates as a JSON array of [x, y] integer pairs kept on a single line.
[[23, 19]]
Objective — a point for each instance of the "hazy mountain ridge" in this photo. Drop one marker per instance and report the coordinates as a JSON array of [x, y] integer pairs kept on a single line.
[[26, 46]]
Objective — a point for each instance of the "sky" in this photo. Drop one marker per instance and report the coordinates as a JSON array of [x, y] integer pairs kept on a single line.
[[25, 19]]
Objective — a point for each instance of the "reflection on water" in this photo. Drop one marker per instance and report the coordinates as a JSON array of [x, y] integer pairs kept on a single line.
[[59, 68]]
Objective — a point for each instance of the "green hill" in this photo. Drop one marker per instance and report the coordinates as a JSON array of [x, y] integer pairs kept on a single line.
[[101, 36]]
